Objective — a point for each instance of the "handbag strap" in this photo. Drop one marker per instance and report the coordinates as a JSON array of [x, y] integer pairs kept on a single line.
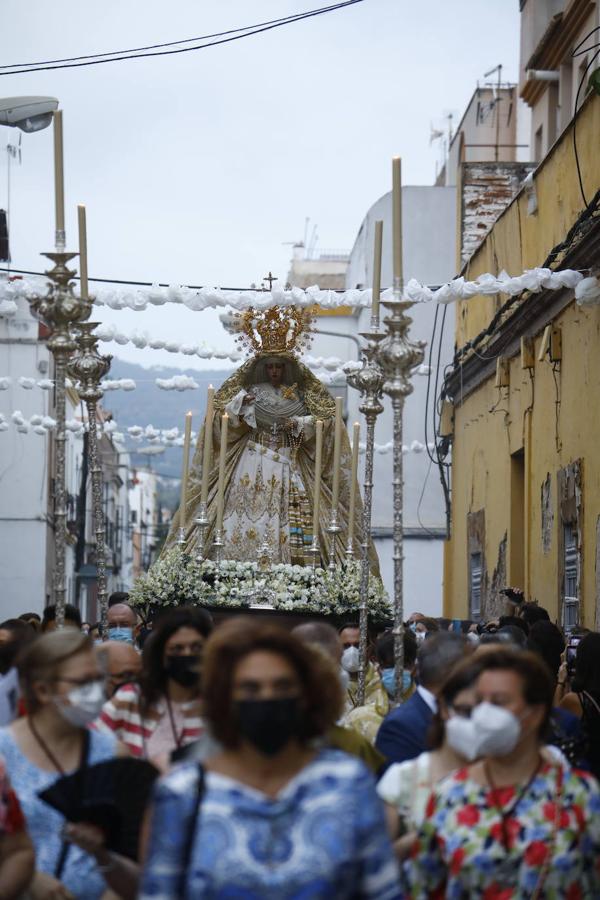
[[188, 843], [66, 846]]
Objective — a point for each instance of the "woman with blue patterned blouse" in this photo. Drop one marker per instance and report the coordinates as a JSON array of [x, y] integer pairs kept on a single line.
[[270, 816]]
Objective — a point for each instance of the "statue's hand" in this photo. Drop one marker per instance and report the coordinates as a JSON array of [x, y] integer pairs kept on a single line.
[[249, 398]]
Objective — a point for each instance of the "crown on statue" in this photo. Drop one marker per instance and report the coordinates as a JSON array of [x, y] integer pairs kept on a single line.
[[274, 330]]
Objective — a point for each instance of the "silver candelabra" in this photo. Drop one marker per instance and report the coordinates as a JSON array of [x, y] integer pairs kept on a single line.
[[369, 382], [60, 309], [398, 356], [87, 368]]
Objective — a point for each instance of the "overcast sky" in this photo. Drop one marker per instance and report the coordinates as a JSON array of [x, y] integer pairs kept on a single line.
[[197, 168]]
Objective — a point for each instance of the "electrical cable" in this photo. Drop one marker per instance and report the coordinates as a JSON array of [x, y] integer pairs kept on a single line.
[[429, 454], [235, 35], [201, 37], [581, 82], [162, 284]]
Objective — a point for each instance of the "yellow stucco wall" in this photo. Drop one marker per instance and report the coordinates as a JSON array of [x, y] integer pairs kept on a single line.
[[519, 241], [491, 425]]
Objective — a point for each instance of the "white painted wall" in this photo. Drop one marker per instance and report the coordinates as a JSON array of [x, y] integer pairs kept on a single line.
[[23, 471], [429, 216]]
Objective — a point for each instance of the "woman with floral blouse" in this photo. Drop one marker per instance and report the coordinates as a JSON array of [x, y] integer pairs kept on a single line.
[[513, 824]]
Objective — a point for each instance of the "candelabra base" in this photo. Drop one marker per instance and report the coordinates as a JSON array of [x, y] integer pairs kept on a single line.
[[218, 544], [315, 554], [201, 522], [333, 529]]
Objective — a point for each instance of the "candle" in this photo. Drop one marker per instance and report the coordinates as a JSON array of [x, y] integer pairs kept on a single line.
[[397, 217], [83, 265], [222, 457], [318, 458], [59, 184], [337, 451], [377, 269], [184, 468], [207, 456], [353, 483]]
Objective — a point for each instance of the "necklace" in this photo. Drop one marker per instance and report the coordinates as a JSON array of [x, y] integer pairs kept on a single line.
[[177, 738], [44, 746], [505, 814]]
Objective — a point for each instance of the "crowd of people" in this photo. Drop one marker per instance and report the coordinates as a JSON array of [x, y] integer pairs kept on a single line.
[[179, 758]]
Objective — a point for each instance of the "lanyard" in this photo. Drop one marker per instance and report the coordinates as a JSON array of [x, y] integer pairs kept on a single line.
[[505, 814], [177, 738], [42, 743]]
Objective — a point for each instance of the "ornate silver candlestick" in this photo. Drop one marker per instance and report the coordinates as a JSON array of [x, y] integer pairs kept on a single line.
[[369, 382], [201, 522], [333, 529], [88, 368], [398, 356], [59, 310], [314, 552], [218, 544]]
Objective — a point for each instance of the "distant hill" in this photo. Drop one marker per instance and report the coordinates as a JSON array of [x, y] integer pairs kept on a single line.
[[149, 405]]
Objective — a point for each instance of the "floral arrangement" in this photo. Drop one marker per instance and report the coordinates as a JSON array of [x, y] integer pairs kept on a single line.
[[237, 585]]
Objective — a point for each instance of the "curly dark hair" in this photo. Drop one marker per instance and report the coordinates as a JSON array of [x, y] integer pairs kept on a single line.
[[239, 637], [153, 680]]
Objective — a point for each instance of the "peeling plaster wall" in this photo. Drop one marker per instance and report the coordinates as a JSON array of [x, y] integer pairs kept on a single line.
[[495, 602], [487, 189], [547, 514]]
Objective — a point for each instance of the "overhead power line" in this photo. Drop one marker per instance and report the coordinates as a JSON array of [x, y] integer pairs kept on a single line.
[[223, 37]]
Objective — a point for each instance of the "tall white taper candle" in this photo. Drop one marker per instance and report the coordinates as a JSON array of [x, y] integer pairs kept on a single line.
[[318, 462], [377, 268], [59, 183], [184, 467], [337, 452], [397, 217], [207, 455], [222, 459], [83, 260], [353, 482]]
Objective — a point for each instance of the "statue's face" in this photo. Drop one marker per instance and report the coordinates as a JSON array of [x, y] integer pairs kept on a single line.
[[275, 373]]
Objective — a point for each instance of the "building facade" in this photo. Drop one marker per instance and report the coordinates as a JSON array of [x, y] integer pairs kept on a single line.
[[525, 466], [27, 486]]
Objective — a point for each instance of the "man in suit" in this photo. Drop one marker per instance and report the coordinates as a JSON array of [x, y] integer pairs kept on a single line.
[[403, 732]]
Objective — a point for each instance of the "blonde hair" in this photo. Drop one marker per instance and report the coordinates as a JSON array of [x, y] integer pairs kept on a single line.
[[42, 659]]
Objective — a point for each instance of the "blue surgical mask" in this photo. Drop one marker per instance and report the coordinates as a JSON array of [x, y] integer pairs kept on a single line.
[[120, 633], [388, 681]]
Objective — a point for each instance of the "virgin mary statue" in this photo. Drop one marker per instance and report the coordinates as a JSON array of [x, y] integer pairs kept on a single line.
[[273, 402]]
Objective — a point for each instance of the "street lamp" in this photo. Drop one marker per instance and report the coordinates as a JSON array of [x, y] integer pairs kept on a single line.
[[27, 113]]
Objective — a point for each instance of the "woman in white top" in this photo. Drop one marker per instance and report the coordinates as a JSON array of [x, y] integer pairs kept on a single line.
[[407, 786]]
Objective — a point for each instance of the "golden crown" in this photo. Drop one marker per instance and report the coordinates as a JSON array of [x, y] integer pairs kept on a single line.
[[274, 330]]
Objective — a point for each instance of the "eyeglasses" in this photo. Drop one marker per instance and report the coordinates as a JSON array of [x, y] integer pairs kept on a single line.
[[80, 682], [463, 710]]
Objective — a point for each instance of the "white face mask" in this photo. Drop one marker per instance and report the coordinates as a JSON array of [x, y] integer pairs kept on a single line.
[[351, 659], [491, 731], [420, 636], [85, 703], [344, 678], [497, 730], [461, 737], [472, 637]]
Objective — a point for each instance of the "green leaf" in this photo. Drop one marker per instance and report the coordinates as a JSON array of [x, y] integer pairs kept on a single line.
[[594, 82]]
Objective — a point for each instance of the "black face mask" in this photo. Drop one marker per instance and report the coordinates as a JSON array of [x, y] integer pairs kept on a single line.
[[185, 670], [268, 724]]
